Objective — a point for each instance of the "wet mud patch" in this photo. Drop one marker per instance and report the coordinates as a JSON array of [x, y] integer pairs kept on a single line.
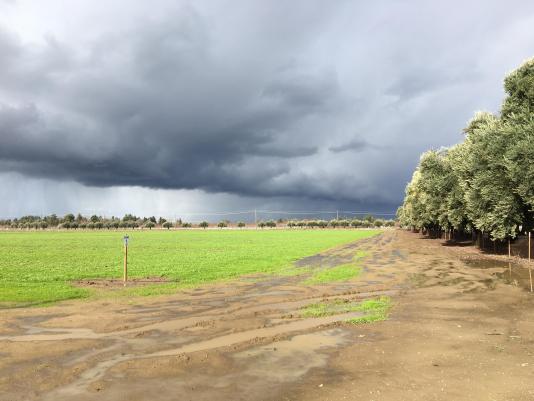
[[338, 256], [254, 335], [509, 273], [324, 260], [482, 263], [259, 372], [20, 324], [287, 360]]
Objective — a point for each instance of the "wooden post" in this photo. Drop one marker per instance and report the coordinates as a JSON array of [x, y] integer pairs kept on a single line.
[[125, 278], [509, 248], [529, 264], [125, 272]]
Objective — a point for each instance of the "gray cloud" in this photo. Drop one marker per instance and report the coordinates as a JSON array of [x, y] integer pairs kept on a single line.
[[257, 100], [355, 145]]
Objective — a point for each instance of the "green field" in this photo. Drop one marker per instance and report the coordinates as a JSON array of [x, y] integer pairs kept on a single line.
[[37, 267]]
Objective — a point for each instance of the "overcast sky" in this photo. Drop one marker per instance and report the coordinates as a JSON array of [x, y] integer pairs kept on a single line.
[[173, 107]]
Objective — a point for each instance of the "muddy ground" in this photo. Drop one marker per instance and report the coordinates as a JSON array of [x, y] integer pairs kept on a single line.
[[461, 328]]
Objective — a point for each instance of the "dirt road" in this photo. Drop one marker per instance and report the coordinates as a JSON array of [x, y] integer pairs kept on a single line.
[[459, 330]]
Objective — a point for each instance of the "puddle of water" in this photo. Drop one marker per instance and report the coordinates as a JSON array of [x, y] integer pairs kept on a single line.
[[288, 360], [261, 368], [507, 272], [308, 342], [86, 378], [52, 334], [398, 254], [518, 277], [488, 264]]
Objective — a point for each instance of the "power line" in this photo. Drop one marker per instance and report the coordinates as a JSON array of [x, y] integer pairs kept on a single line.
[[215, 213], [254, 213], [336, 212]]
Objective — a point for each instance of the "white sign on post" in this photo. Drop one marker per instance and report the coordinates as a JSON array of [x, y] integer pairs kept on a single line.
[[125, 239]]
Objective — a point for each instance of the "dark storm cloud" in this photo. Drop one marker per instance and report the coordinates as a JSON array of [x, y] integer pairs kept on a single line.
[[259, 100], [158, 117]]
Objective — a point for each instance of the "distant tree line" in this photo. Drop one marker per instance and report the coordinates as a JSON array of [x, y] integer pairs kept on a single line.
[[485, 184], [94, 222], [355, 223], [72, 222]]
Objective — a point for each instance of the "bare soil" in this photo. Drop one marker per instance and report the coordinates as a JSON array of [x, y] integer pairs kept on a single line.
[[118, 283], [462, 328]]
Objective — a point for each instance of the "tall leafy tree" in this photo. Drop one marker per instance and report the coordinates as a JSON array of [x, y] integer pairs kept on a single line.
[[491, 203], [518, 123], [486, 182]]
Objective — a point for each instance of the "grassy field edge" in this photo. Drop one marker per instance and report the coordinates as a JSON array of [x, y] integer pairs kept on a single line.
[[39, 267]]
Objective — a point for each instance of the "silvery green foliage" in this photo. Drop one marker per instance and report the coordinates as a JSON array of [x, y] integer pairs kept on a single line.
[[491, 202], [487, 181], [519, 88], [518, 125]]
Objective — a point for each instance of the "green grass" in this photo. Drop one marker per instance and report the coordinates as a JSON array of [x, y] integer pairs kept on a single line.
[[374, 309], [336, 307], [338, 273], [37, 267]]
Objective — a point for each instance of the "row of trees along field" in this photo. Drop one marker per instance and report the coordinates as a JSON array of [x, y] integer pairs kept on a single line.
[[485, 184], [95, 222], [69, 221]]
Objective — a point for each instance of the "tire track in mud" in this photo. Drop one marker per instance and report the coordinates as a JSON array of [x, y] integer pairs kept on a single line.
[[250, 336], [59, 334]]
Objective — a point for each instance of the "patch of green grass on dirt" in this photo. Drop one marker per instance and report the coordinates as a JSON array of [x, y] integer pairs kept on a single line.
[[338, 273], [336, 307], [39, 266], [359, 255], [375, 310]]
